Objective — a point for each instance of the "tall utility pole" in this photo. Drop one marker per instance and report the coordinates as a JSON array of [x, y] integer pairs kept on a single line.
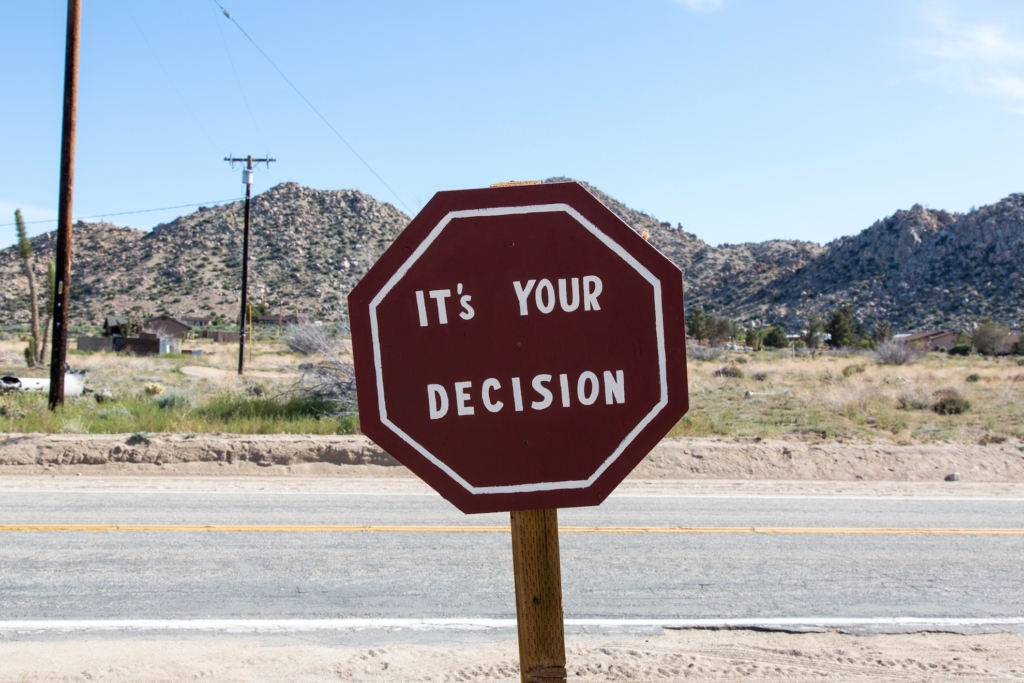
[[62, 281], [247, 180]]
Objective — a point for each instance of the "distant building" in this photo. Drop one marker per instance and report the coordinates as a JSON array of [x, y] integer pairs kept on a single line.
[[164, 326], [115, 326], [196, 320], [218, 336], [939, 340], [282, 320]]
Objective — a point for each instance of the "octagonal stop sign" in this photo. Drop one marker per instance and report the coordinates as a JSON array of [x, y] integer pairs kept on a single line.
[[519, 347]]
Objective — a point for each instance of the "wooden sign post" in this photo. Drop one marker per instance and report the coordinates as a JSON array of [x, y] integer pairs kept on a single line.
[[521, 349], [538, 576]]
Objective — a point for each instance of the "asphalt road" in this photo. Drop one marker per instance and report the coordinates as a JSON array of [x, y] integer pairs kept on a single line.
[[232, 575]]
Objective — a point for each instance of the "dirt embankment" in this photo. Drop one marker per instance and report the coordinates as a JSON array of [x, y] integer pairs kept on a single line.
[[673, 459]]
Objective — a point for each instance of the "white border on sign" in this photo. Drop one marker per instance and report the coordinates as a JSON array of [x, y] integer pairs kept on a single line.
[[608, 242]]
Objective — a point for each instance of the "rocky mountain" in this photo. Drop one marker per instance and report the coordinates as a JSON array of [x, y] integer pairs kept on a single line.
[[918, 269], [307, 250]]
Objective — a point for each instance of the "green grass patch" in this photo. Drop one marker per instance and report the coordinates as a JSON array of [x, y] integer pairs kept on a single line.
[[174, 412]]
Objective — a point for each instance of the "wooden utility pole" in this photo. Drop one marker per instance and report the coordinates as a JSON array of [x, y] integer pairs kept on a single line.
[[247, 179], [62, 281], [538, 576]]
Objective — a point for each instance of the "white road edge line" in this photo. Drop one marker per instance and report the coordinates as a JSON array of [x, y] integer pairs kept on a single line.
[[477, 624]]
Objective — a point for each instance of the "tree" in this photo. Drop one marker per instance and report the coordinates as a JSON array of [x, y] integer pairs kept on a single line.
[[33, 355], [775, 338], [883, 332], [51, 287], [815, 333], [842, 327], [719, 330], [698, 325], [753, 338], [990, 337]]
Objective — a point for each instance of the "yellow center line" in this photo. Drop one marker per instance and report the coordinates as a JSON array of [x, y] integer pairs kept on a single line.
[[482, 529]]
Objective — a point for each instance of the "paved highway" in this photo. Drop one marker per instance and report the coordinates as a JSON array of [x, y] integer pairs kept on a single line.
[[712, 559]]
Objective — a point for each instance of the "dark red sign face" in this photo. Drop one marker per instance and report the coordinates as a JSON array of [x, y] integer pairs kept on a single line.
[[519, 348]]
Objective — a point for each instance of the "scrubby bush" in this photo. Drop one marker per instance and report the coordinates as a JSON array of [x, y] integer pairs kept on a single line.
[[730, 371], [703, 353], [853, 369], [310, 340], [973, 377], [960, 350], [759, 376], [896, 353], [990, 338], [775, 338], [912, 402], [173, 399], [950, 402]]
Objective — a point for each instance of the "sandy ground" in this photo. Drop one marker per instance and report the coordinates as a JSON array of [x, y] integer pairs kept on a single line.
[[207, 372], [715, 459], [675, 656]]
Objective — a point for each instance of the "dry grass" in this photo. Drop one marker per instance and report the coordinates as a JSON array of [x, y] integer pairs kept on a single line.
[[209, 396], [778, 396], [814, 398]]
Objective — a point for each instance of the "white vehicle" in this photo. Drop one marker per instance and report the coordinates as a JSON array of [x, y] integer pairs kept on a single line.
[[74, 384]]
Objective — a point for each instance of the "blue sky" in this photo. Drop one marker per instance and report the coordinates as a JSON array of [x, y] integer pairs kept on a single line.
[[744, 120]]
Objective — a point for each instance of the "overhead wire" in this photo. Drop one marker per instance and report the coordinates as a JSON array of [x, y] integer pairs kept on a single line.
[[128, 213], [167, 75], [310, 105], [238, 81]]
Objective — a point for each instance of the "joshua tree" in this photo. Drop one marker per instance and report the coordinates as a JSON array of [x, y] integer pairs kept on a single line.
[[33, 355], [51, 281]]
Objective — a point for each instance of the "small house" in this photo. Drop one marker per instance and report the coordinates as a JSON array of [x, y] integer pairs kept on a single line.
[[165, 326], [939, 340], [115, 326]]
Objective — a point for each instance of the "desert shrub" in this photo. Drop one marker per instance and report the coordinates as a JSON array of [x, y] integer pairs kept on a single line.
[[153, 389], [775, 338], [759, 376], [973, 377], [912, 402], [703, 353], [853, 369], [960, 350], [950, 402], [730, 371], [310, 340], [741, 360], [895, 353], [173, 399], [990, 338]]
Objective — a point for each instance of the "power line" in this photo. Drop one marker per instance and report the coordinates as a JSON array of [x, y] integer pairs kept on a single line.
[[167, 75], [310, 104], [128, 213], [237, 79]]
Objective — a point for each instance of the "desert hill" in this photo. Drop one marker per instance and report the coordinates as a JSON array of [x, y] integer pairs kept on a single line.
[[918, 268]]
